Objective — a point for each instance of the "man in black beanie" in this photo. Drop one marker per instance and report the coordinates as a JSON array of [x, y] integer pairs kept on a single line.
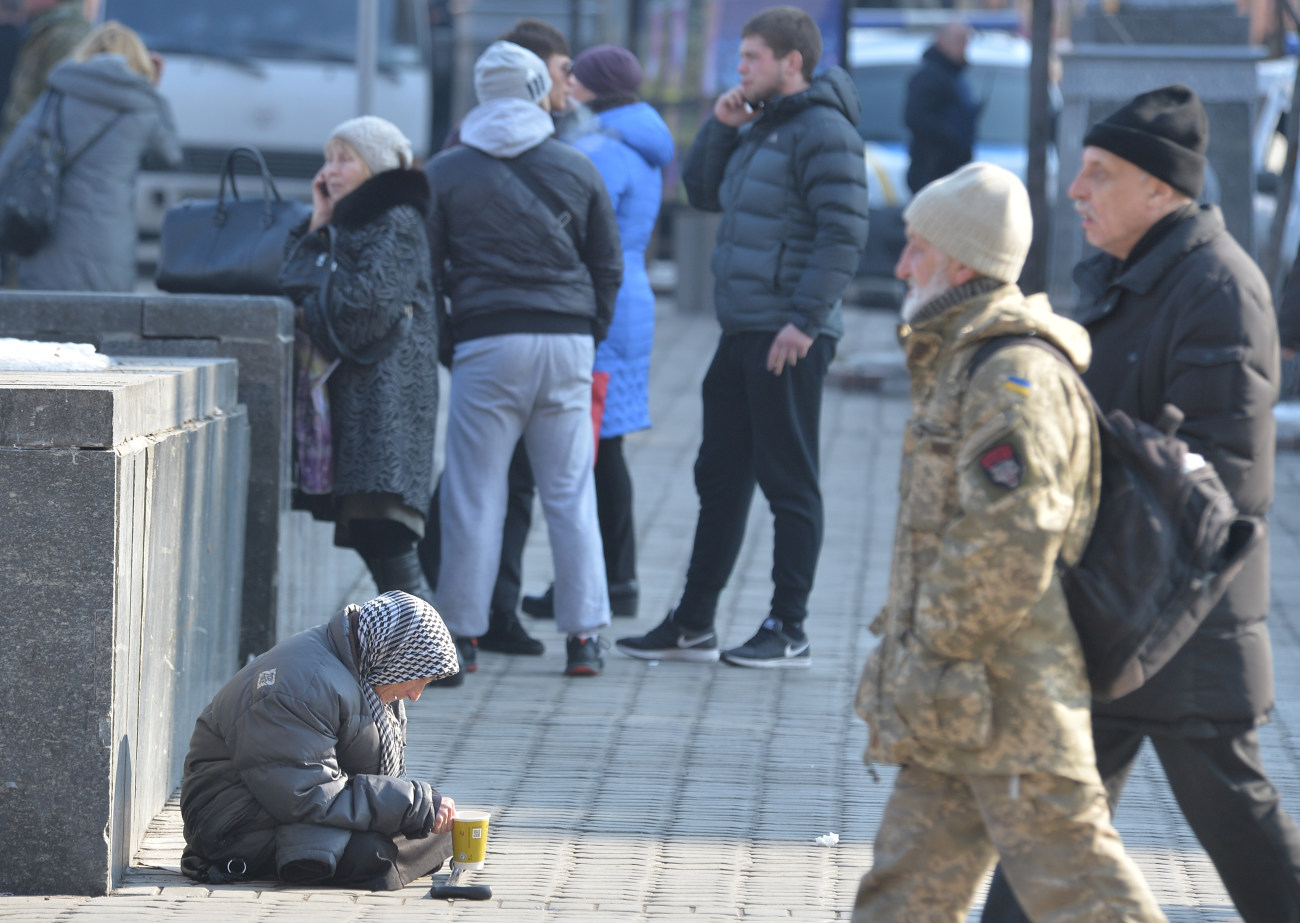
[[1179, 314]]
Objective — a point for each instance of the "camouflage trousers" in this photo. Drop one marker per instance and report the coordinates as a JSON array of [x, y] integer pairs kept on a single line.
[[941, 833]]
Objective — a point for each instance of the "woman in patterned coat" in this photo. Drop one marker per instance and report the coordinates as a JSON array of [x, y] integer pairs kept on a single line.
[[375, 318]]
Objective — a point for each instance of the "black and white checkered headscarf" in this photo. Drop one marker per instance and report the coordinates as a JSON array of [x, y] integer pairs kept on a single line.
[[400, 637]]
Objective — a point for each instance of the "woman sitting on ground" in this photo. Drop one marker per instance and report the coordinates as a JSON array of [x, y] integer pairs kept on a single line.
[[296, 770]]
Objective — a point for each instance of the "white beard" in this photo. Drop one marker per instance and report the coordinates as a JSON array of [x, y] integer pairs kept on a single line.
[[919, 296]]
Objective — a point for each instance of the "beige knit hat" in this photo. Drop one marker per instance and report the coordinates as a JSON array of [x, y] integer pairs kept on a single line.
[[979, 216], [379, 142]]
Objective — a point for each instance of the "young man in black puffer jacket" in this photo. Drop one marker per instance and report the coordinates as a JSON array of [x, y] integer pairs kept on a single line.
[[782, 160]]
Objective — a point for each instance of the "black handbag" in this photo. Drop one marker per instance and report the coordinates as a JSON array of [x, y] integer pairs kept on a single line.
[[230, 247]]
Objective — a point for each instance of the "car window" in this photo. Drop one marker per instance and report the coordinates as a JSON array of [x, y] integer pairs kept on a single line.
[[883, 91], [1003, 93], [291, 29]]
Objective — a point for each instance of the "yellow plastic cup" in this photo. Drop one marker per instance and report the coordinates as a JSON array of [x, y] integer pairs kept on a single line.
[[469, 832]]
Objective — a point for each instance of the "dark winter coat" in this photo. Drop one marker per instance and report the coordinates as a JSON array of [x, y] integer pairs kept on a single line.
[[629, 145], [93, 245], [1191, 323], [383, 416], [1288, 312], [290, 740], [792, 187], [941, 114], [507, 265]]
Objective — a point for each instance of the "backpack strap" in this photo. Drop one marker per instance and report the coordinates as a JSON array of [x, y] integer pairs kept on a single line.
[[67, 164], [991, 346], [559, 211]]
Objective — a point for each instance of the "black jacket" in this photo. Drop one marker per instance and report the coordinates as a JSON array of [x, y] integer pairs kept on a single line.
[[1288, 312], [505, 261], [289, 740], [382, 416], [941, 113], [792, 187], [1191, 323]]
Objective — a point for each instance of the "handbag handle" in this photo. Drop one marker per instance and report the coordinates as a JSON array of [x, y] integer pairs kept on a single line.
[[386, 345], [270, 195]]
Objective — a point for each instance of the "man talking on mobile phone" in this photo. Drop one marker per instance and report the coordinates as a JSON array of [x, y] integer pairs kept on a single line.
[[781, 158]]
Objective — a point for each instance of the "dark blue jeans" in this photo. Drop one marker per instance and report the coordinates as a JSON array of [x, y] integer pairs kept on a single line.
[[759, 429]]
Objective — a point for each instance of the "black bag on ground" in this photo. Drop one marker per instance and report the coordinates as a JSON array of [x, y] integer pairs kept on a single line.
[[228, 247], [1166, 542], [30, 186]]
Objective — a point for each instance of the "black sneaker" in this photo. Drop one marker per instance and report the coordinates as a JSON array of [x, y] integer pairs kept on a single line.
[[584, 656], [467, 654], [506, 636], [540, 607], [771, 647], [670, 641]]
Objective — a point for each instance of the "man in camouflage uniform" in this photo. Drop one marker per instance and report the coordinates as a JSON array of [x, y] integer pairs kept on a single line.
[[977, 688], [54, 29]]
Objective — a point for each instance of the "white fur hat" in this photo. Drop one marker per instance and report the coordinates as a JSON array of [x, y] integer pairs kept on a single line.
[[380, 143], [979, 216], [510, 71]]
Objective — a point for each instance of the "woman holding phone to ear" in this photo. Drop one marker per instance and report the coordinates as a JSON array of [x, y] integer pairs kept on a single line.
[[374, 315]]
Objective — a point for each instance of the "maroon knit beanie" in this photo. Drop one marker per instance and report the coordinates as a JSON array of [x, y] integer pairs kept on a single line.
[[608, 70]]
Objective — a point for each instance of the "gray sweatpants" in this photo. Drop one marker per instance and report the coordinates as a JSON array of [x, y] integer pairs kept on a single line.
[[502, 387]]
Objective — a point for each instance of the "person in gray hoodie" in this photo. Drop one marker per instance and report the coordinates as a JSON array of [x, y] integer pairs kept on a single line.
[[524, 240], [105, 102]]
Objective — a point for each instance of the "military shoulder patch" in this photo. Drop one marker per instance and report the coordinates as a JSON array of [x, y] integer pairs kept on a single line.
[[1001, 466]]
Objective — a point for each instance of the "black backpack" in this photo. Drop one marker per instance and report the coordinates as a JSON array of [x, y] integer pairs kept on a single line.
[[1165, 545], [29, 188]]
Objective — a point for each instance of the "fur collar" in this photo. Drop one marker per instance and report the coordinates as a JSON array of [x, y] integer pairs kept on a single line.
[[380, 193]]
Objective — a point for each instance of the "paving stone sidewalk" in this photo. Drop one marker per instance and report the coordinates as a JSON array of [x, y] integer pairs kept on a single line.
[[695, 792]]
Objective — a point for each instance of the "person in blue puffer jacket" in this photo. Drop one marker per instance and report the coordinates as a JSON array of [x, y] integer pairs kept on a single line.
[[630, 144]]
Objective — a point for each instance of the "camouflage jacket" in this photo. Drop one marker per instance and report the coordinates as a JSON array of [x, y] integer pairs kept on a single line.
[[51, 37], [979, 669]]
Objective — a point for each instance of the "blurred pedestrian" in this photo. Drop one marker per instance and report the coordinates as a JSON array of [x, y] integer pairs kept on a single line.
[[977, 688], [369, 208], [630, 144], [1288, 328], [1179, 314], [940, 111], [105, 104], [297, 770], [54, 29], [781, 158], [524, 238], [13, 27]]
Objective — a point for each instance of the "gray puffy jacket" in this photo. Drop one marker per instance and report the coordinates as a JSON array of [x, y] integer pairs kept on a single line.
[[93, 246], [290, 740], [792, 185]]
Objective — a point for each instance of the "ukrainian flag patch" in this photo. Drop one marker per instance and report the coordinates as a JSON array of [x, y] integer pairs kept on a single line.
[[1018, 385]]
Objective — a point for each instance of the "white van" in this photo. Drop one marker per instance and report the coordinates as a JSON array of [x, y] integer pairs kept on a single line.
[[277, 75]]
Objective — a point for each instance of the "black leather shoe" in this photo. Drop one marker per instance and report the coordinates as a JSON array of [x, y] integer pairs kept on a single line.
[[540, 607], [467, 654], [506, 636], [624, 599]]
